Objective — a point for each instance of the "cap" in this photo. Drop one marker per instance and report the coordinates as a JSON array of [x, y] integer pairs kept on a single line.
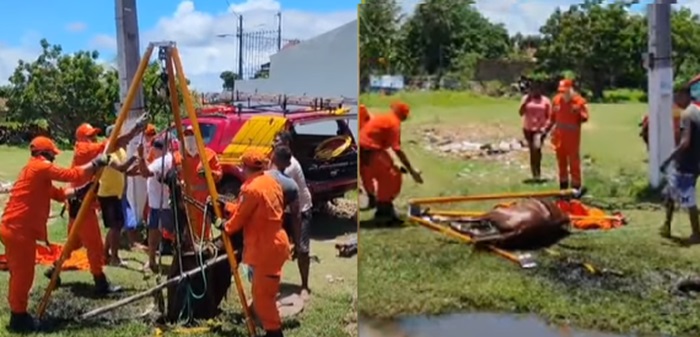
[[565, 85], [150, 130], [86, 130], [189, 130], [254, 159], [42, 143], [401, 109]]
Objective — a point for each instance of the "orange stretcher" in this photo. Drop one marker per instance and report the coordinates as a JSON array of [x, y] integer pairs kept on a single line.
[[48, 255], [581, 216]]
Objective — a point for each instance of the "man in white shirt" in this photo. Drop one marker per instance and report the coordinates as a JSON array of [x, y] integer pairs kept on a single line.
[[301, 248], [160, 215]]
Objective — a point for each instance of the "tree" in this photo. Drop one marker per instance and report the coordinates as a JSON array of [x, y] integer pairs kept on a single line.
[[599, 42], [379, 38], [60, 90], [443, 31], [229, 77]]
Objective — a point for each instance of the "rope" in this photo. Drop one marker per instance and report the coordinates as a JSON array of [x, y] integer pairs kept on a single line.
[[186, 313]]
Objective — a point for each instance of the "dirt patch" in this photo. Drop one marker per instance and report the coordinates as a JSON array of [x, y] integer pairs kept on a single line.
[[488, 141]]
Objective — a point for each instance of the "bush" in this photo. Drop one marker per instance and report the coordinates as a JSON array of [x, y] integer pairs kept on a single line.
[[12, 133], [625, 96]]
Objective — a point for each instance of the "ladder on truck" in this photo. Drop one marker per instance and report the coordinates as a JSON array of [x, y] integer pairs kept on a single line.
[[257, 102]]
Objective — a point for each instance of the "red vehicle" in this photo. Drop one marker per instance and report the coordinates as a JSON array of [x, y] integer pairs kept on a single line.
[[323, 142]]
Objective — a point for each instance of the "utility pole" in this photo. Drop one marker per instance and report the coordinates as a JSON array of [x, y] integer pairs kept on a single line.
[[660, 91], [279, 31], [240, 46], [129, 55]]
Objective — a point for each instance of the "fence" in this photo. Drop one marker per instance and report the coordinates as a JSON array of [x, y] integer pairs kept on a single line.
[[254, 49]]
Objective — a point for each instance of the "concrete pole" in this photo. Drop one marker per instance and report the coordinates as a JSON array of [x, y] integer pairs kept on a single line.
[[129, 56], [239, 34], [660, 92]]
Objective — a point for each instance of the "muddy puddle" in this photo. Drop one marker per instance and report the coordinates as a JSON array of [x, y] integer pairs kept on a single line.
[[472, 325]]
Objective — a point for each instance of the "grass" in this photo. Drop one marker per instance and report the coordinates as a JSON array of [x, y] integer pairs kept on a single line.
[[329, 313], [413, 271]]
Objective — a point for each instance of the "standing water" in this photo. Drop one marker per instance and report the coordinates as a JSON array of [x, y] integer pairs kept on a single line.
[[471, 325]]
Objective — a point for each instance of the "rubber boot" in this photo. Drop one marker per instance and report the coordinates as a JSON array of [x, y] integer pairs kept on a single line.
[[386, 214], [21, 323], [49, 272], [273, 333], [102, 286], [563, 185]]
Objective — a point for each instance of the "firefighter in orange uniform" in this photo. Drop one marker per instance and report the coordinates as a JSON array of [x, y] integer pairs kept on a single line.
[[85, 150], [363, 116], [569, 112], [24, 220], [380, 134], [258, 213], [199, 188]]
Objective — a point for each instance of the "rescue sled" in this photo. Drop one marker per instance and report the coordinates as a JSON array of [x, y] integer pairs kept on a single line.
[[534, 220]]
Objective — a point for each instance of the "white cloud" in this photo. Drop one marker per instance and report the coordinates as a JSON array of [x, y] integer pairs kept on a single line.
[[103, 42], [205, 55], [76, 27]]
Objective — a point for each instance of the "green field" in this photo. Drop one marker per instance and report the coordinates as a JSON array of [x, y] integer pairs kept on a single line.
[[329, 313], [411, 270]]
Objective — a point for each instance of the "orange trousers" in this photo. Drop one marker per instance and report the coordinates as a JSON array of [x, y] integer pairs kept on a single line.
[[265, 286], [90, 237], [21, 257], [567, 147], [380, 170]]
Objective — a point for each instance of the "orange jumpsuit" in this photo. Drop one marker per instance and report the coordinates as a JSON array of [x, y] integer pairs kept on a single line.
[[24, 222], [199, 188], [266, 246], [90, 235], [381, 133], [567, 118]]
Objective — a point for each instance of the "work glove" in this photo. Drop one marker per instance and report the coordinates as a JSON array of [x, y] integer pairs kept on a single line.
[[222, 207], [101, 161]]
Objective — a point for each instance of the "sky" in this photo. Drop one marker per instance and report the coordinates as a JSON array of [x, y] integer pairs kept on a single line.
[[195, 24]]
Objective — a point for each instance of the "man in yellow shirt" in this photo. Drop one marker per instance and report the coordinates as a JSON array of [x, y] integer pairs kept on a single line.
[[109, 194]]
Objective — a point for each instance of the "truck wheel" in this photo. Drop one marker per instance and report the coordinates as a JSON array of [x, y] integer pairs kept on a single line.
[[230, 187]]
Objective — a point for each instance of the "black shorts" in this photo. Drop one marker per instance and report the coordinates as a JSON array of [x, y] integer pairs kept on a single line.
[[305, 237], [112, 212]]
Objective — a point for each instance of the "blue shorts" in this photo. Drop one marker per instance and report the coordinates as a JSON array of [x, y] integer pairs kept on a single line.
[[130, 222], [681, 188], [161, 218]]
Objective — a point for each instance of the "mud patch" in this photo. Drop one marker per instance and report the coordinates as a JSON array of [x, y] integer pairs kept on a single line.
[[584, 276], [65, 308], [491, 141]]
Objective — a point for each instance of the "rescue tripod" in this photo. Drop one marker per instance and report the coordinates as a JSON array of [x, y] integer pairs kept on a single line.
[[169, 55], [466, 226]]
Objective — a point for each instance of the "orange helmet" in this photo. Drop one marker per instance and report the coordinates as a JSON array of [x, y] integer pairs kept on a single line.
[[565, 85], [43, 144], [255, 159], [150, 130], [401, 109], [86, 130]]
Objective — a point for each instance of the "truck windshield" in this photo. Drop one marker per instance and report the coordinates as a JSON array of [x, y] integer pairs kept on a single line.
[[208, 132]]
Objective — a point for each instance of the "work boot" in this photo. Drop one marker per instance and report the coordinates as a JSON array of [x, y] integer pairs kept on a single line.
[[273, 333], [21, 323], [665, 231], [386, 214], [563, 185], [102, 286], [49, 272]]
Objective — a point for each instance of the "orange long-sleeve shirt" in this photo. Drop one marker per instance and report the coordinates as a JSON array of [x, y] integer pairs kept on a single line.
[[381, 132], [83, 153], [29, 206], [199, 183], [259, 215], [569, 115]]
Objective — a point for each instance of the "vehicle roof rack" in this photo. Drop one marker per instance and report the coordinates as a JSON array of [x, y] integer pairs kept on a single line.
[[252, 102]]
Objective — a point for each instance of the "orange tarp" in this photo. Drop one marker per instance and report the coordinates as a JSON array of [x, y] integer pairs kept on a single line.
[[590, 217], [48, 255], [585, 217]]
